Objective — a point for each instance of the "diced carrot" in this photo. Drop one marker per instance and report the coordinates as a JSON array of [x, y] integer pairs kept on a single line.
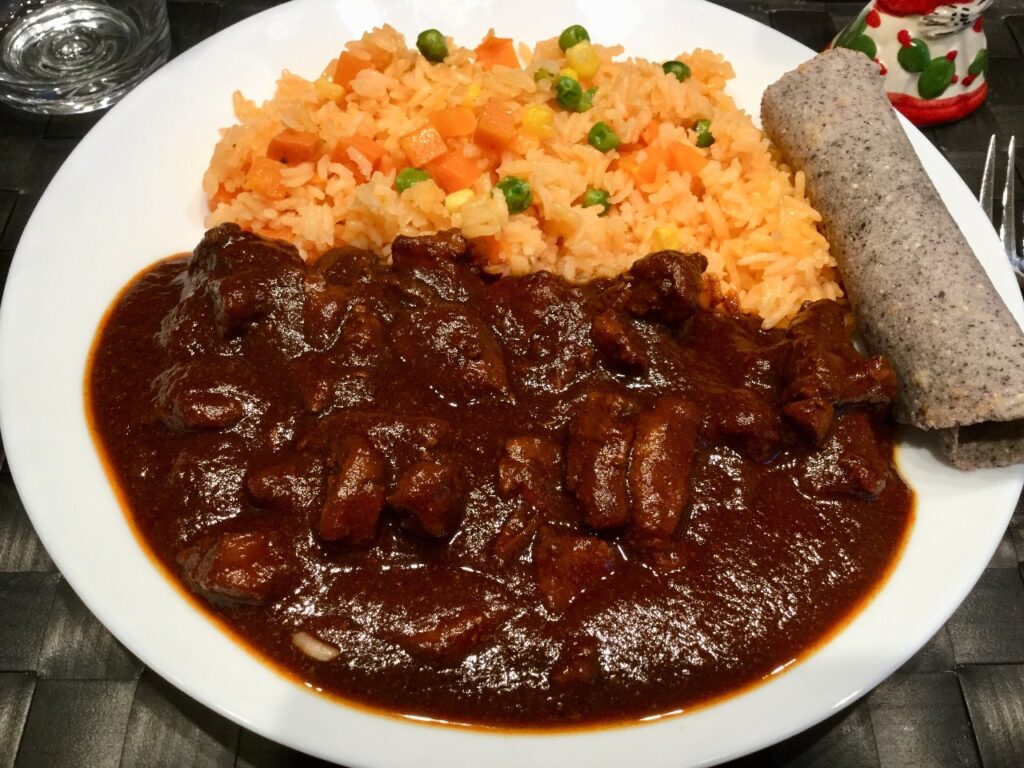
[[423, 145], [373, 152], [644, 171], [684, 157], [650, 132], [656, 159], [520, 143], [454, 122], [264, 178], [486, 249], [387, 164], [453, 171], [291, 146], [496, 51], [687, 158], [497, 125], [349, 65], [220, 196], [628, 163]]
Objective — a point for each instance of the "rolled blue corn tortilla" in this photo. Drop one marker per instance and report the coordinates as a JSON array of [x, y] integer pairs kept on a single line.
[[919, 295]]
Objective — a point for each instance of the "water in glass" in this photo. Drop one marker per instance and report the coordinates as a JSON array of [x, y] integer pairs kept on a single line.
[[70, 56]]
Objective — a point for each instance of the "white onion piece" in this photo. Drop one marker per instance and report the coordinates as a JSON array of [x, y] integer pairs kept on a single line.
[[315, 649]]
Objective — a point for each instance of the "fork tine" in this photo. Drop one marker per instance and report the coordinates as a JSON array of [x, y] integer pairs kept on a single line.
[[1008, 228], [987, 192]]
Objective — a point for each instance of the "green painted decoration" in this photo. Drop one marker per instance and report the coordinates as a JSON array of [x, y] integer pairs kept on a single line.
[[853, 37], [980, 63], [915, 57], [936, 78]]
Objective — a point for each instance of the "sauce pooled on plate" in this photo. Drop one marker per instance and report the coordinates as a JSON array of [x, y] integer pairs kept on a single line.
[[513, 501]]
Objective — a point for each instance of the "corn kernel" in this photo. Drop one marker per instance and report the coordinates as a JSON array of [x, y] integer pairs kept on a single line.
[[583, 58], [569, 72], [325, 89], [665, 238], [456, 200], [472, 92], [538, 120]]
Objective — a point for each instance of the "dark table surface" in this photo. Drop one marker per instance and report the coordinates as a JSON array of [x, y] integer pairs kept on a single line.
[[71, 695]]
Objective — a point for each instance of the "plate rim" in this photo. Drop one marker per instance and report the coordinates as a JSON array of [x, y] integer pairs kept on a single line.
[[21, 474]]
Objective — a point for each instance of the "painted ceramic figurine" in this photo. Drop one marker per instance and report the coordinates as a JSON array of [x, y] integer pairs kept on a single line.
[[932, 55]]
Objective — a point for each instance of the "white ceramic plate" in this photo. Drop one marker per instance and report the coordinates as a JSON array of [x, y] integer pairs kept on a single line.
[[130, 194]]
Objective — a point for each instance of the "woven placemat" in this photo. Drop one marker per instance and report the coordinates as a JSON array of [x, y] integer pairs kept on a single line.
[[71, 695]]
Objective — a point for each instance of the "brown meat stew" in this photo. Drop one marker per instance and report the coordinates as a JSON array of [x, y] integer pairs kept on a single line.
[[511, 501]]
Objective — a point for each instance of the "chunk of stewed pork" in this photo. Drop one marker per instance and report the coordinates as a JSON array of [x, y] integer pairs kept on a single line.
[[600, 437], [823, 365], [811, 417], [568, 564], [659, 470], [663, 286], [355, 494], [449, 638], [326, 382], [208, 392], [293, 485], [544, 324], [431, 259], [254, 285], [619, 342], [530, 468], [746, 421], [246, 567], [516, 533], [852, 459], [428, 492], [453, 351], [323, 309], [403, 439], [345, 265]]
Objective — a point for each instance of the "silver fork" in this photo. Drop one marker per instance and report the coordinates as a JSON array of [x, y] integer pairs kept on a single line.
[[1008, 225]]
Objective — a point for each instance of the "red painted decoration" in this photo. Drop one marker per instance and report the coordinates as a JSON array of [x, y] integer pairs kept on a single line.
[[907, 7], [921, 112], [905, 20]]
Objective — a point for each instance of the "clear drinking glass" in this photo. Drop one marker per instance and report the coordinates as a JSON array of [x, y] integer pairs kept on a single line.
[[61, 57]]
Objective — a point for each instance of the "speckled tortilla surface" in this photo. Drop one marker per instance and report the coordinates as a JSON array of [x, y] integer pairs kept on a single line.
[[919, 294]]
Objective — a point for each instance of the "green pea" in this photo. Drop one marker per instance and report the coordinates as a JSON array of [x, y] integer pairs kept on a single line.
[[602, 138], [597, 197], [543, 74], [704, 136], [432, 45], [586, 100], [409, 176], [517, 192], [572, 36], [568, 93], [677, 69]]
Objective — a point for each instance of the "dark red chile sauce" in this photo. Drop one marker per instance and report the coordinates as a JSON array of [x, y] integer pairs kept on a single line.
[[513, 501]]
